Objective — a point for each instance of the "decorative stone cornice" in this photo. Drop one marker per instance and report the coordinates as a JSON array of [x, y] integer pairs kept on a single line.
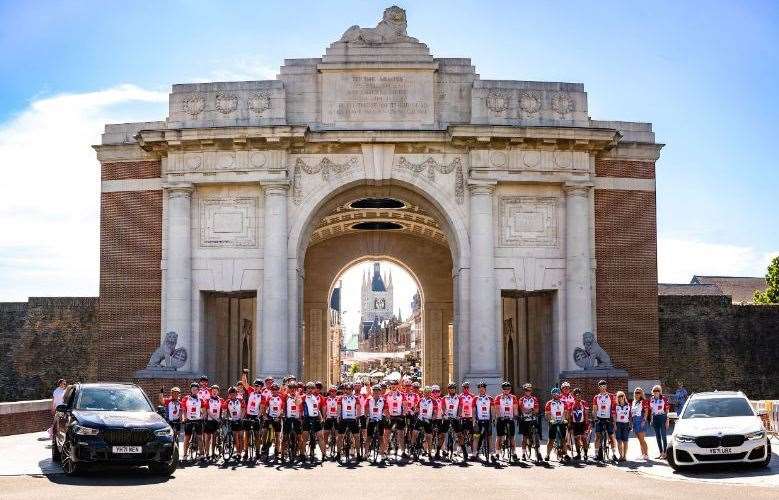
[[479, 187], [577, 188], [220, 138], [635, 151], [567, 138], [116, 153]]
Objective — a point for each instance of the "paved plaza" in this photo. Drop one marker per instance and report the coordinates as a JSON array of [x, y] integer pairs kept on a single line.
[[26, 471]]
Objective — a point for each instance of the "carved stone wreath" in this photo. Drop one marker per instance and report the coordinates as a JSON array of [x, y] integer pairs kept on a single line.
[[431, 166], [226, 103], [325, 166], [259, 102], [498, 100], [530, 102], [194, 105], [562, 104]]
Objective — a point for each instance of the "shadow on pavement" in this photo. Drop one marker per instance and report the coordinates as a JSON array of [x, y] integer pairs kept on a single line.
[[110, 477], [723, 471]]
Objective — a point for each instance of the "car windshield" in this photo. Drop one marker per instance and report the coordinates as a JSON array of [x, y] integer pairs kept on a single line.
[[718, 407], [112, 399]]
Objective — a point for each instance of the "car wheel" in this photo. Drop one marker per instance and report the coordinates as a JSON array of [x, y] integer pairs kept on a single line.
[[56, 456], [669, 453], [69, 465]]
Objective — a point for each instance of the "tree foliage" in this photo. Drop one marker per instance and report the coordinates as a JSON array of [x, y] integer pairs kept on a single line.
[[771, 294]]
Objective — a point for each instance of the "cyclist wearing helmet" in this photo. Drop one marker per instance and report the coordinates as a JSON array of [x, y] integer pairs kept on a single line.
[[579, 424], [557, 414], [331, 410], [483, 410], [604, 408], [192, 416], [451, 403], [528, 413], [293, 412], [204, 390], [507, 409], [566, 396], [313, 405], [467, 405], [212, 420], [235, 409], [349, 404], [172, 406], [438, 415], [274, 410], [377, 421], [254, 409], [424, 420]]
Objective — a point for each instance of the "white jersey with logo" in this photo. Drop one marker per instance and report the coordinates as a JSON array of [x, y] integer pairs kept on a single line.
[[637, 409], [253, 403], [173, 410], [556, 409], [376, 408], [483, 406], [312, 405], [331, 407], [466, 405], [451, 404], [426, 406], [505, 404], [603, 405], [203, 393], [293, 408], [214, 408], [657, 405], [395, 403], [193, 408], [623, 413], [234, 409], [349, 407], [275, 405]]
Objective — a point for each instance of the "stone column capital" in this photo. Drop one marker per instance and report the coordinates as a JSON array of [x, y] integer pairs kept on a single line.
[[482, 187], [575, 188], [279, 187], [179, 189]]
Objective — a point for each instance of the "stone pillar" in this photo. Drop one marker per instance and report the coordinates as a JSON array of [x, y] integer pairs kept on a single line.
[[178, 272], [578, 284], [273, 340], [483, 336]]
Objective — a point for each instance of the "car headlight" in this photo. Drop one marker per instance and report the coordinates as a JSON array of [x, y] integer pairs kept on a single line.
[[167, 432], [85, 431], [752, 436], [684, 439]]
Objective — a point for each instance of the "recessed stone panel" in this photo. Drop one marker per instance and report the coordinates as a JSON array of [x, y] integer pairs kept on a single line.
[[228, 222], [528, 221]]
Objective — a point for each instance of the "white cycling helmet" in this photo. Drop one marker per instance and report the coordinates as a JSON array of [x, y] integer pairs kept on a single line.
[[565, 384], [435, 388]]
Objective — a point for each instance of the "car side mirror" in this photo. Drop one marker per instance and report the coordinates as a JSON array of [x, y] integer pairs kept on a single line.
[[61, 408], [673, 415]]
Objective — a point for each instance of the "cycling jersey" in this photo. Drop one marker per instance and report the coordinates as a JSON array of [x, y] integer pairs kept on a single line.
[[528, 405], [275, 405], [363, 405], [467, 401], [395, 403], [234, 409], [410, 401], [658, 405], [622, 413], [604, 405], [451, 405], [203, 393], [555, 408], [312, 405], [438, 408], [293, 407], [266, 393], [483, 405], [426, 407], [214, 408], [331, 407], [376, 408], [253, 403], [578, 411], [638, 406], [349, 407], [506, 404], [567, 398], [172, 409], [193, 408]]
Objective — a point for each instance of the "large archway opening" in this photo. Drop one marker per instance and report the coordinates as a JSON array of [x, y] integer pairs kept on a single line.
[[379, 223]]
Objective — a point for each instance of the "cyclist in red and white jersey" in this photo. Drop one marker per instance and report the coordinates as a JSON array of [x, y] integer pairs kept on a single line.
[[566, 396], [362, 395], [172, 406], [330, 405], [234, 410], [438, 416], [377, 420], [557, 414], [268, 387], [274, 413], [467, 406], [313, 407], [451, 417], [603, 411], [529, 407], [203, 391], [397, 420], [192, 416], [424, 420], [253, 420], [507, 408], [213, 417], [482, 405], [349, 405], [293, 413], [579, 424]]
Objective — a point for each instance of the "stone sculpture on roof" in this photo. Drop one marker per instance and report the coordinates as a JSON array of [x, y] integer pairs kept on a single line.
[[391, 29]]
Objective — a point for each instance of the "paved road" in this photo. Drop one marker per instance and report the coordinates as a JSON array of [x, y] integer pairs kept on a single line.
[[35, 477]]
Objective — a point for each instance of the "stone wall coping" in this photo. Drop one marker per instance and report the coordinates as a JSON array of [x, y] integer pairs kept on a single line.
[[14, 407]]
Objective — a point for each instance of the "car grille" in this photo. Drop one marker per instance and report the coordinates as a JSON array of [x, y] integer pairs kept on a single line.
[[716, 441], [127, 437], [724, 456]]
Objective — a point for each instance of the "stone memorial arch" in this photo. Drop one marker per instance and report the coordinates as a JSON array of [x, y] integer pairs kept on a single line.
[[526, 222]]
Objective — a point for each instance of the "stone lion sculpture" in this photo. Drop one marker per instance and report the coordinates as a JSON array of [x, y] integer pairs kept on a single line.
[[593, 356], [391, 28], [167, 357]]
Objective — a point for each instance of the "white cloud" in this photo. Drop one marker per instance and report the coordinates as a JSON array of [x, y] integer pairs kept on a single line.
[[50, 189], [679, 259]]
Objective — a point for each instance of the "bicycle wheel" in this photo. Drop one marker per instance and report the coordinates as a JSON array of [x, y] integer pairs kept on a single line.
[[227, 445]]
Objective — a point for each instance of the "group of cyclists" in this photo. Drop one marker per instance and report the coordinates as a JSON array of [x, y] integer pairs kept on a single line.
[[356, 422]]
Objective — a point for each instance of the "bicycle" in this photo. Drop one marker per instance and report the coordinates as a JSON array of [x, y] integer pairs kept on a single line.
[[484, 442], [559, 440], [219, 439], [292, 446], [373, 450], [605, 453], [228, 444], [449, 440], [532, 440], [347, 445], [250, 451]]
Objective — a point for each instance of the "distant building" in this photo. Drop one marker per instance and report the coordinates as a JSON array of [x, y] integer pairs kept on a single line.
[[335, 336], [741, 289]]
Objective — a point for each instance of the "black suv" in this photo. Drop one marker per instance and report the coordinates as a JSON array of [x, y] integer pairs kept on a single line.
[[114, 424]]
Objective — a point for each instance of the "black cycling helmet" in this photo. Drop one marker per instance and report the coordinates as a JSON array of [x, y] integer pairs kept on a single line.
[[482, 384], [466, 384], [232, 390], [193, 384], [257, 381], [452, 385], [202, 378], [601, 382], [274, 387], [505, 385], [577, 391]]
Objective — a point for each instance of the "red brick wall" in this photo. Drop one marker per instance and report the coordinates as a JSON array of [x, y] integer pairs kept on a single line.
[[589, 385], [625, 168], [626, 279], [148, 169], [130, 281], [25, 421]]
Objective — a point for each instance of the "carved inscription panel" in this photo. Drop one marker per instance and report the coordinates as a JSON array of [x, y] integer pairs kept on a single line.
[[229, 222], [528, 221], [377, 99]]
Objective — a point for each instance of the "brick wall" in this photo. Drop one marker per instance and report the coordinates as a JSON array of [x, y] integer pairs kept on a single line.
[[625, 168], [589, 385], [626, 279], [709, 343], [25, 416], [130, 170], [130, 280]]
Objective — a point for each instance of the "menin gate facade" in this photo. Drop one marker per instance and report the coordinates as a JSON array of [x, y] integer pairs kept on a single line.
[[525, 222]]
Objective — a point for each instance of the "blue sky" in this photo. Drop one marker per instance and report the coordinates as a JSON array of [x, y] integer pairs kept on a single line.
[[704, 73]]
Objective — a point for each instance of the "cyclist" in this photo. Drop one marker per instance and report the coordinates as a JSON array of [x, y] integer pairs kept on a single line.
[[203, 391], [293, 411], [467, 437], [603, 411], [483, 407], [622, 423], [557, 414], [507, 406], [192, 416], [451, 404], [362, 415], [253, 421], [438, 420], [377, 410], [274, 409], [268, 388], [235, 410], [397, 421], [424, 420], [172, 406], [350, 408], [330, 410], [529, 407], [313, 404], [213, 418], [411, 398], [579, 424]]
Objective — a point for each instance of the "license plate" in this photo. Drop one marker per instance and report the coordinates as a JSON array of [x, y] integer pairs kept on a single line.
[[127, 449], [720, 451]]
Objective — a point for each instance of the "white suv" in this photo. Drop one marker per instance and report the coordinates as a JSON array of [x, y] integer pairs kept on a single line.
[[718, 427]]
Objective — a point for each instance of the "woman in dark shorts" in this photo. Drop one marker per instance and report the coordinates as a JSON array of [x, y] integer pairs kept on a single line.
[[622, 420]]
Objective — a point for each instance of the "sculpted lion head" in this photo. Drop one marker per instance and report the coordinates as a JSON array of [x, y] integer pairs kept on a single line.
[[395, 15]]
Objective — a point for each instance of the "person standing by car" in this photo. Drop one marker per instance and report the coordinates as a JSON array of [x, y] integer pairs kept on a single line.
[[658, 405], [622, 421], [57, 398], [680, 397], [172, 407], [639, 416]]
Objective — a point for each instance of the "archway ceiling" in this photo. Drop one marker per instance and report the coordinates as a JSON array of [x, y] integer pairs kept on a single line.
[[413, 220]]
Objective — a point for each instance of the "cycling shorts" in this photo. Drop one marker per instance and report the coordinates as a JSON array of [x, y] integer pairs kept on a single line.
[[623, 431], [466, 425], [330, 424], [604, 424], [292, 424], [193, 427], [450, 423], [348, 424], [484, 427], [252, 423], [526, 426], [274, 423], [236, 425], [375, 426], [399, 422], [505, 427], [312, 424], [578, 428], [210, 426], [557, 428], [425, 426]]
